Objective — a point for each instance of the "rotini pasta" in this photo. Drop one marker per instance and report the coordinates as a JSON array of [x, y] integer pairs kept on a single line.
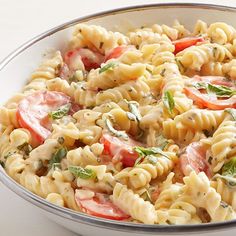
[[136, 126]]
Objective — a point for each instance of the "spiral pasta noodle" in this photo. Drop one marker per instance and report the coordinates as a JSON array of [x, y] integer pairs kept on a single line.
[[134, 126], [133, 204], [223, 144]]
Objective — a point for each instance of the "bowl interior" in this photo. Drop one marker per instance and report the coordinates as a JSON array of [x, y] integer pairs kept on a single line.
[[16, 68]]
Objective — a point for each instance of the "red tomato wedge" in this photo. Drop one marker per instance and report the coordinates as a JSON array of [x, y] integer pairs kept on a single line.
[[194, 159], [117, 52], [89, 58], [128, 157], [217, 80], [101, 206], [183, 43], [115, 147], [33, 110], [209, 101]]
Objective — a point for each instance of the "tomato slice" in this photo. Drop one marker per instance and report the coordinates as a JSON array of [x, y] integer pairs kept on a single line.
[[209, 101], [117, 52], [32, 112], [217, 80], [76, 58], [121, 149], [183, 43], [128, 157], [194, 159], [101, 206]]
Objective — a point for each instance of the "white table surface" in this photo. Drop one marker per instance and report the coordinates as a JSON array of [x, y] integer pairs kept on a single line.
[[21, 20]]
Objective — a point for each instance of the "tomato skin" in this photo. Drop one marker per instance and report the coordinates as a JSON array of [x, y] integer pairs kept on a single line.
[[32, 112], [101, 207], [89, 58], [128, 157], [204, 100], [194, 158], [74, 108], [115, 147], [117, 52], [183, 43], [217, 80]]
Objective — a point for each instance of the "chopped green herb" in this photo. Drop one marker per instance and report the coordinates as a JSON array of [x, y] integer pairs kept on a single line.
[[2, 164], [200, 85], [109, 66], [56, 165], [146, 196], [61, 140], [206, 132], [168, 101], [163, 72], [9, 154], [220, 91], [232, 112], [149, 70], [229, 168], [162, 142], [210, 160], [138, 160], [73, 79], [180, 65], [57, 156], [83, 173], [117, 133], [149, 151], [214, 49], [224, 204], [228, 173], [60, 112], [25, 147], [101, 45]]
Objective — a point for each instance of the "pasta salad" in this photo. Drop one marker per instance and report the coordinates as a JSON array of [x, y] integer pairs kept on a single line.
[[136, 127]]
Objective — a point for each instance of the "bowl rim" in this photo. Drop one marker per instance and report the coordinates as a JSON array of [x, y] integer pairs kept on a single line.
[[80, 217]]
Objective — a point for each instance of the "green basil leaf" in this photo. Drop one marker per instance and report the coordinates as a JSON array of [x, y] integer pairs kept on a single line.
[[220, 91], [146, 196], [109, 66], [60, 112], [56, 165], [57, 156], [200, 85], [228, 173], [117, 133], [138, 160], [229, 180], [83, 173], [161, 142], [229, 168], [232, 112], [149, 151], [168, 101]]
